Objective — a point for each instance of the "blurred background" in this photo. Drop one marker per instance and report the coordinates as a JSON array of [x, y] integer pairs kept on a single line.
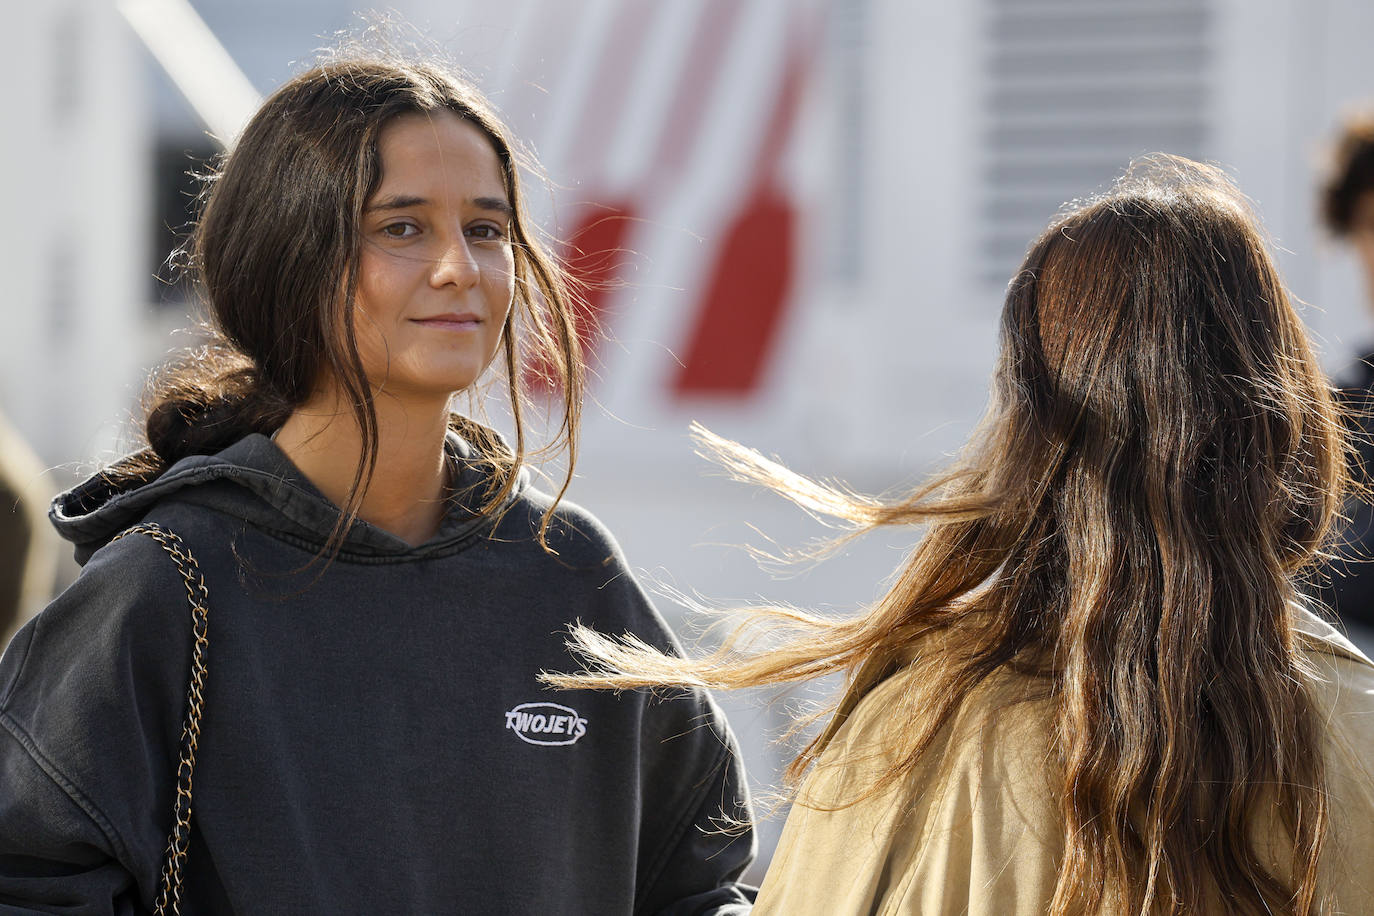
[[800, 217]]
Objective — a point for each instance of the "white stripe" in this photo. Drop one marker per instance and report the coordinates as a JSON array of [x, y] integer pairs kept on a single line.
[[197, 63]]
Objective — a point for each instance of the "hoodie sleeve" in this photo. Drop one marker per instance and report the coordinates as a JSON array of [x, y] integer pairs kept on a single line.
[[695, 822], [90, 710], [707, 842], [54, 855]]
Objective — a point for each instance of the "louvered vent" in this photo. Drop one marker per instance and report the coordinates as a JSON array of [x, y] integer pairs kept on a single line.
[[1075, 89]]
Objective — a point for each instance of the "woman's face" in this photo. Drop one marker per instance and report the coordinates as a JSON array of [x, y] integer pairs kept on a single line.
[[435, 271]]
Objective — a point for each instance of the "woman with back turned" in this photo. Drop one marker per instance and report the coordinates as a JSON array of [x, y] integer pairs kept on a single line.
[[383, 583], [1092, 688]]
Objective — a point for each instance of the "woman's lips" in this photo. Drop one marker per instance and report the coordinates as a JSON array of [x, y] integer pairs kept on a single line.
[[450, 321]]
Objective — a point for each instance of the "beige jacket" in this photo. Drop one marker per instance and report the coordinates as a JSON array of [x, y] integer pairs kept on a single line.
[[977, 829]]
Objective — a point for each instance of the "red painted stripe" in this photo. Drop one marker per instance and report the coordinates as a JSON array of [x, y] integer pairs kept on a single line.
[[594, 255], [750, 286], [594, 251], [796, 69], [744, 302], [695, 87]]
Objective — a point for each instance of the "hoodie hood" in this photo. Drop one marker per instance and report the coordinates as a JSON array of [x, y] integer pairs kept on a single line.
[[255, 481]]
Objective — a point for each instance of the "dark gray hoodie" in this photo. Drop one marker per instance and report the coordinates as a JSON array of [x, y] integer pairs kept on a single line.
[[375, 739]]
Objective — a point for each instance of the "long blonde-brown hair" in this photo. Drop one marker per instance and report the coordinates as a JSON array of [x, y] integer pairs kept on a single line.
[[1161, 460]]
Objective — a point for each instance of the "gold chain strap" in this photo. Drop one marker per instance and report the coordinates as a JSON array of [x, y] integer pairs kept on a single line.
[[169, 899]]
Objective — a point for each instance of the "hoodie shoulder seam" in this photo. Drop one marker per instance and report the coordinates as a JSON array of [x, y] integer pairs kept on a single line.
[[68, 787]]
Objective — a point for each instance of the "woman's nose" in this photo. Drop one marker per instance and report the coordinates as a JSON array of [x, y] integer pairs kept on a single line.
[[455, 265]]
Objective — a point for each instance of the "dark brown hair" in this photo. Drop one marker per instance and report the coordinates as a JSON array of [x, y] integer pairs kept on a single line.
[[1161, 460], [275, 253], [1350, 174]]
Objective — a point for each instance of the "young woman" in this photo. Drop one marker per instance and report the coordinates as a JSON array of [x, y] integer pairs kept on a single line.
[[1091, 689], [383, 584]]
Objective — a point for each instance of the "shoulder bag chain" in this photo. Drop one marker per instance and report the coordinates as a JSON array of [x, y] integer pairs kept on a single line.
[[174, 858]]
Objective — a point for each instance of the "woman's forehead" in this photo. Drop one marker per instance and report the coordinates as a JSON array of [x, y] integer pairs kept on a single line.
[[436, 155]]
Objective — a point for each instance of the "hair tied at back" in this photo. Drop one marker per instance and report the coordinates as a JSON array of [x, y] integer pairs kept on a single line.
[[208, 401]]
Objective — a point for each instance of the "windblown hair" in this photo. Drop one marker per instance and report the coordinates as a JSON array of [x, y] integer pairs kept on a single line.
[[275, 254], [1160, 461], [1350, 174]]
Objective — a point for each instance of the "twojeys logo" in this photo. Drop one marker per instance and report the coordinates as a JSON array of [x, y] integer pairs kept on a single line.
[[546, 723]]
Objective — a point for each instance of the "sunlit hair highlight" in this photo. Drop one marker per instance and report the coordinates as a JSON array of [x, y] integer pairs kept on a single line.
[[1161, 459]]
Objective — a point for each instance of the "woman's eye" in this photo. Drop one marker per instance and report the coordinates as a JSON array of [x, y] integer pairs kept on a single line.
[[484, 232], [399, 230]]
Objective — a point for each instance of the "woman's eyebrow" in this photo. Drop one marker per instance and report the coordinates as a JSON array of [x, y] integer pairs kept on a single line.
[[499, 204], [396, 202], [403, 201]]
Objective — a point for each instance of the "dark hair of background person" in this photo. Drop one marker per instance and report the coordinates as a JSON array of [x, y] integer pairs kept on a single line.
[[275, 252], [1350, 174], [1161, 459]]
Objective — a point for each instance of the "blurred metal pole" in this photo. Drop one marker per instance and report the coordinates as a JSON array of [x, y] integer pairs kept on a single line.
[[196, 62]]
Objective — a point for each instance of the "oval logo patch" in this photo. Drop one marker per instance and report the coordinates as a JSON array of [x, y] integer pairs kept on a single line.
[[548, 724]]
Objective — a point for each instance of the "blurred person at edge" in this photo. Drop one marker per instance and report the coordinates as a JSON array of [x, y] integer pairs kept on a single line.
[[1094, 687], [1347, 210], [384, 582]]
